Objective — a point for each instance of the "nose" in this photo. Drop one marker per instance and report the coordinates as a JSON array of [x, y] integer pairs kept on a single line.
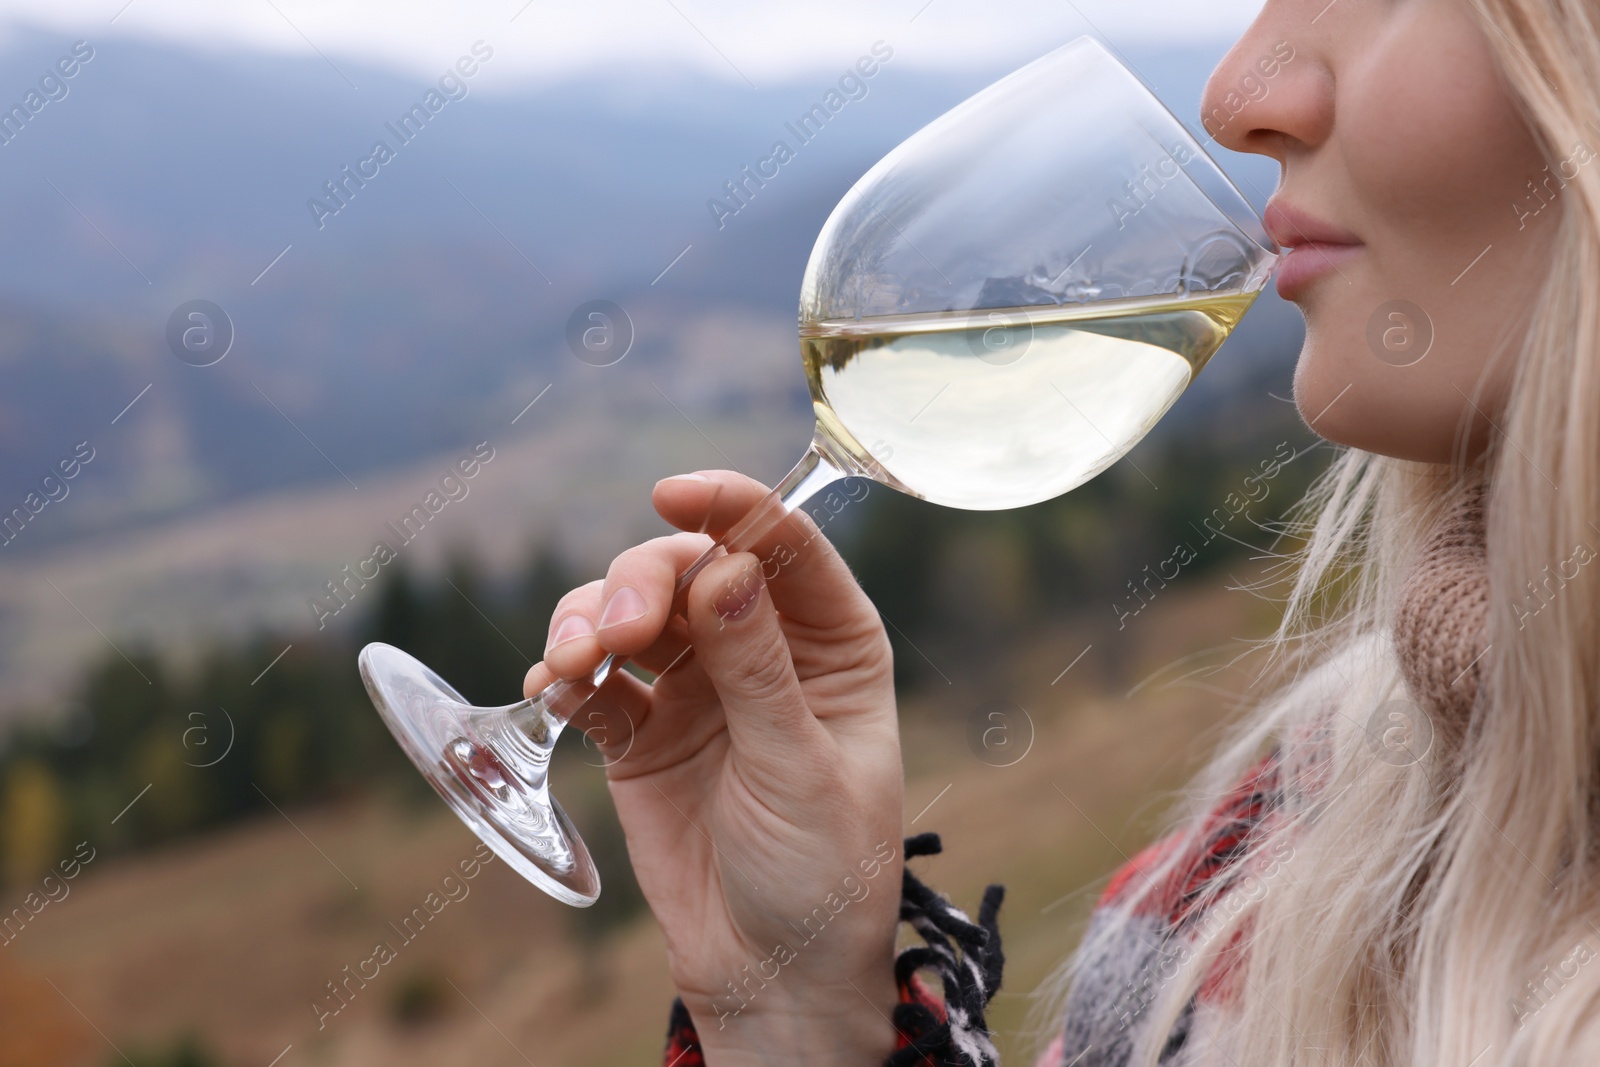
[[1270, 95]]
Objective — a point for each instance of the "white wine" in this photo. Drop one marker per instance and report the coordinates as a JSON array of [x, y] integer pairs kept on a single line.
[[1003, 407]]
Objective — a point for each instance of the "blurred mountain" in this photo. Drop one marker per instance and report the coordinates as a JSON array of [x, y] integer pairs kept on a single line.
[[373, 345], [439, 292]]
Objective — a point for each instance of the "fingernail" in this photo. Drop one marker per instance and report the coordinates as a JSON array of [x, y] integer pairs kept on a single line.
[[685, 478], [572, 626], [625, 605], [740, 593]]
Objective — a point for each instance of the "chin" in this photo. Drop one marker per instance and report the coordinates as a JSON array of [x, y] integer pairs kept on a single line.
[[1359, 412], [1385, 421], [1317, 395]]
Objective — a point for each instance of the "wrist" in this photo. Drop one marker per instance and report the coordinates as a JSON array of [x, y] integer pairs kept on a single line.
[[849, 1024]]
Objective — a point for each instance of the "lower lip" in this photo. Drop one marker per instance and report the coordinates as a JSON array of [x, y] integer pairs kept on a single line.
[[1306, 262]]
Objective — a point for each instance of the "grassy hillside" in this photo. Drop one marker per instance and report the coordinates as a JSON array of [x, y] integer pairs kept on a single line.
[[231, 937]]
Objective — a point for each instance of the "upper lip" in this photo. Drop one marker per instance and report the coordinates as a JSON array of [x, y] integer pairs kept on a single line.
[[1290, 227]]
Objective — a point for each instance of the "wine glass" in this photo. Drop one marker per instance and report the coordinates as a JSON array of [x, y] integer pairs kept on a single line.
[[995, 312]]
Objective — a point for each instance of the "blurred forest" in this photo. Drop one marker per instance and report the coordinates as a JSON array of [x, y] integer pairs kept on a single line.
[[153, 753], [225, 741]]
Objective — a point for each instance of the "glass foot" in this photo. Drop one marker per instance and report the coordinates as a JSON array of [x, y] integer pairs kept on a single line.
[[491, 765]]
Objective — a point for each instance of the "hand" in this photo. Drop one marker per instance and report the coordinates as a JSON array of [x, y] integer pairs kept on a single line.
[[757, 779]]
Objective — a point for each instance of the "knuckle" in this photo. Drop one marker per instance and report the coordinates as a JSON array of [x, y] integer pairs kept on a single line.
[[626, 562], [762, 671], [868, 639], [644, 564], [804, 526], [663, 545], [878, 644], [699, 542], [582, 601], [578, 599]]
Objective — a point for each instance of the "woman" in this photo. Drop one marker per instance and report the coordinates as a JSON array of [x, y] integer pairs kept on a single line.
[[1393, 860]]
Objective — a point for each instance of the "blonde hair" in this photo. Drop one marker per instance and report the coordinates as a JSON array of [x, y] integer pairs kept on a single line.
[[1423, 909]]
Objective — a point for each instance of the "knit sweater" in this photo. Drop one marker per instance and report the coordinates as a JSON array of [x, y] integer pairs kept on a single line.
[[1439, 636]]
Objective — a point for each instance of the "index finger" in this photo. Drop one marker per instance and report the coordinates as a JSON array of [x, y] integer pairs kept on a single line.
[[808, 580]]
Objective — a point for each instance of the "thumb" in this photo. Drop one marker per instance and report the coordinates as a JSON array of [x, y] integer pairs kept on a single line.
[[743, 650]]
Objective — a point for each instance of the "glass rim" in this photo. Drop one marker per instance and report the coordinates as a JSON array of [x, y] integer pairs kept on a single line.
[[1238, 210], [1076, 90]]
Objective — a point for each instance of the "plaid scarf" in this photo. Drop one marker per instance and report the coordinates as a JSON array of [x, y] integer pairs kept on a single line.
[[1106, 1004], [932, 1031]]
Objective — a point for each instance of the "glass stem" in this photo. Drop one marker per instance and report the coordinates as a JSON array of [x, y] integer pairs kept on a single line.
[[821, 466]]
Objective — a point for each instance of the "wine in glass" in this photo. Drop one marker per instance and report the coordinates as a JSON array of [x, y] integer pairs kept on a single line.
[[997, 311]]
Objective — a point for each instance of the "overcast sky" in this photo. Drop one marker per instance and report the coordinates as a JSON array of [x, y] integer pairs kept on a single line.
[[733, 39]]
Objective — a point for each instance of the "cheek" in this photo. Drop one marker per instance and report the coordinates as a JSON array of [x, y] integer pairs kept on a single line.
[[1433, 156], [1431, 142]]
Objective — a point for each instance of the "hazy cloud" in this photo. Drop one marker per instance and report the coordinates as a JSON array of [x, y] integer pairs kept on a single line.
[[742, 42]]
